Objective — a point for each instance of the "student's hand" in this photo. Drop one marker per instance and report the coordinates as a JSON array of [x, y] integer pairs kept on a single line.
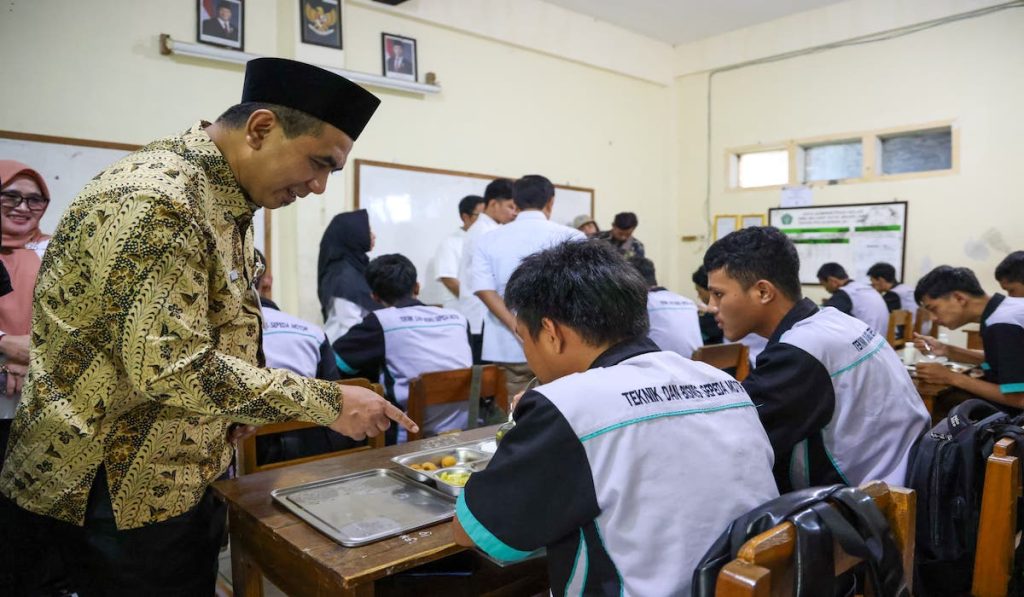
[[366, 414], [935, 373], [928, 345], [15, 348], [239, 432], [15, 378], [515, 401]]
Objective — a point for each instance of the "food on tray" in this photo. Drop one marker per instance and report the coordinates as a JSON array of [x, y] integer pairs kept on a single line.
[[416, 467], [428, 466], [448, 461], [457, 478]]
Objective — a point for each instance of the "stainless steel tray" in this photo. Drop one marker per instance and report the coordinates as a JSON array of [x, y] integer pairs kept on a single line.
[[464, 455], [365, 507]]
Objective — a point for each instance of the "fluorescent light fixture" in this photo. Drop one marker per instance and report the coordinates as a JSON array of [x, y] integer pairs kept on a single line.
[[170, 46]]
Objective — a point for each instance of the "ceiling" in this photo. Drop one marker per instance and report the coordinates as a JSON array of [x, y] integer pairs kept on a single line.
[[682, 21]]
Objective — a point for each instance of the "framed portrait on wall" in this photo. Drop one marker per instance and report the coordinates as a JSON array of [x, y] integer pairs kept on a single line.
[[221, 23], [399, 56], [321, 22]]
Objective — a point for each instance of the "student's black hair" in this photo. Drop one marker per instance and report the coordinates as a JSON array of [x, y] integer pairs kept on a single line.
[[884, 271], [584, 285], [469, 203], [700, 278], [499, 188], [532, 191], [757, 253], [946, 279], [646, 269], [1011, 269], [392, 277], [625, 220], [832, 270], [294, 123]]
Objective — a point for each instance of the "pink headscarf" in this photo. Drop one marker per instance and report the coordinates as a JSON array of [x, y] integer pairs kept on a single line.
[[22, 264]]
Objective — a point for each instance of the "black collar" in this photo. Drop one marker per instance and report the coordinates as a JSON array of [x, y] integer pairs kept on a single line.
[[803, 309], [269, 304], [626, 349], [990, 308], [657, 289], [407, 302]]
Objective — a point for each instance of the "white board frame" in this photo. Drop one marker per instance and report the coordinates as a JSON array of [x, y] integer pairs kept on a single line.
[[857, 269]]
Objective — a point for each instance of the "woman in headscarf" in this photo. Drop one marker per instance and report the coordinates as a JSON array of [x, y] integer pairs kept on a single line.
[[345, 296], [23, 201]]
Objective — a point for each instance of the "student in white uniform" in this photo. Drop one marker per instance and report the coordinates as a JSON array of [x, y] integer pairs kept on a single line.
[[835, 398], [896, 296], [628, 462], [445, 264], [499, 208], [674, 322], [405, 339], [497, 255], [854, 298], [1010, 274]]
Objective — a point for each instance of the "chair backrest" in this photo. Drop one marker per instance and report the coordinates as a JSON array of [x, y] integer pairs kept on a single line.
[[925, 324], [899, 318], [764, 565], [445, 387], [726, 356], [246, 454], [997, 527], [974, 341]]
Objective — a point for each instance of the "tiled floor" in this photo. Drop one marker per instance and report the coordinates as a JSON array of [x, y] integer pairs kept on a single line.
[[269, 590]]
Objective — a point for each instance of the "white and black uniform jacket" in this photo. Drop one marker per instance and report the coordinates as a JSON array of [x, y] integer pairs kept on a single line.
[[626, 472], [836, 401]]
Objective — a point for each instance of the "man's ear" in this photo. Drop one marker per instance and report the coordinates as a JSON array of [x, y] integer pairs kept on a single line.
[[766, 291], [374, 296], [258, 127], [416, 289], [552, 335]]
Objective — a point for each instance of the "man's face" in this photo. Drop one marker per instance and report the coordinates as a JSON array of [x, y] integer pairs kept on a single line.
[[831, 284], [739, 311], [224, 13], [280, 170], [590, 229], [470, 219], [880, 284], [950, 310], [398, 50], [1013, 289], [702, 293], [502, 210], [622, 234]]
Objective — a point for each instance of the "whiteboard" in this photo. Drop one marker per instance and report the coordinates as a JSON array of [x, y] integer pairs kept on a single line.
[[855, 236], [412, 210], [68, 164]]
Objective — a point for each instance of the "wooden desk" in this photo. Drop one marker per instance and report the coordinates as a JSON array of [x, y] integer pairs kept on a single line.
[[268, 540]]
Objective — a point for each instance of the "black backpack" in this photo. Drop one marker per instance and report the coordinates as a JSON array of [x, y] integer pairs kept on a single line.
[[947, 470], [852, 520]]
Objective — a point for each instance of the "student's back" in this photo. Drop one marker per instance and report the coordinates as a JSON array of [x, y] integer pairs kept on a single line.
[[674, 323], [864, 303]]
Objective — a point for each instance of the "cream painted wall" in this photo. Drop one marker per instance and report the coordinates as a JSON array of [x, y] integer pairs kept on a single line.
[[504, 108], [971, 72]]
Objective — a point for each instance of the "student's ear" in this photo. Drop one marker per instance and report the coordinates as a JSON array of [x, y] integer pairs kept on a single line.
[[549, 207], [374, 296], [258, 127], [551, 335], [765, 291], [416, 289]]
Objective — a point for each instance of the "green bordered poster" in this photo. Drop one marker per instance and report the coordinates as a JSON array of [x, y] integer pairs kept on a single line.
[[855, 236]]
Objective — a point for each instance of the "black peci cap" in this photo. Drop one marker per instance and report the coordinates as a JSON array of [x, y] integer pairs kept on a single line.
[[310, 89]]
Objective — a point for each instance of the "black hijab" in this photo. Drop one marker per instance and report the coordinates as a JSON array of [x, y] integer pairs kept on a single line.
[[341, 267], [5, 280]]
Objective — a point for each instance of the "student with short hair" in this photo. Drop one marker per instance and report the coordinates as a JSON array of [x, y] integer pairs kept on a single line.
[[674, 323], [627, 463], [405, 339], [897, 296], [1010, 274], [445, 265], [954, 297], [621, 235], [853, 297], [709, 331], [836, 400]]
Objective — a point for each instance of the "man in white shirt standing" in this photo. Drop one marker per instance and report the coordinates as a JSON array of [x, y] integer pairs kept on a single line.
[[497, 254], [498, 209], [442, 283]]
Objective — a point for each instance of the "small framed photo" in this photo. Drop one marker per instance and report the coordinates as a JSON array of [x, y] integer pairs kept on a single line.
[[321, 22], [399, 56], [221, 23]]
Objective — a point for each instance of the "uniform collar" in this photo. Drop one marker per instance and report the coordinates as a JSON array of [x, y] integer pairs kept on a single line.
[[531, 215], [486, 219], [226, 191], [990, 308], [407, 302], [626, 349], [803, 309], [657, 289]]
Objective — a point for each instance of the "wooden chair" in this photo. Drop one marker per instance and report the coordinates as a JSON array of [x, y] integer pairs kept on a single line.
[[445, 387], [997, 528], [897, 319], [764, 565], [925, 325], [246, 453], [974, 341], [726, 356]]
